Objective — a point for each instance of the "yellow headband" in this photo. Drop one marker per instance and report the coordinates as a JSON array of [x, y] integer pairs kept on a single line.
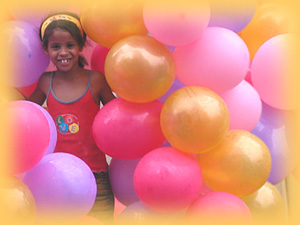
[[60, 17]]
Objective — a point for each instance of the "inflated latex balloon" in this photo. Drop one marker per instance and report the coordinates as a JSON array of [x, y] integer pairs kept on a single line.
[[107, 21], [27, 59], [139, 68], [266, 203], [121, 180], [29, 134], [274, 71], [52, 129], [63, 187], [240, 165], [244, 106], [98, 58], [194, 119], [18, 201], [218, 60], [219, 206], [176, 23], [158, 179], [127, 130], [270, 19], [231, 14], [277, 128]]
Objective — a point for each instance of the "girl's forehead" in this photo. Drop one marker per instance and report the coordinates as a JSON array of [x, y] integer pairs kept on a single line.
[[59, 34]]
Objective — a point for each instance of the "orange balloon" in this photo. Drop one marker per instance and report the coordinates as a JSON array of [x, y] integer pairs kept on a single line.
[[108, 21], [240, 165], [194, 119], [139, 68], [269, 20], [19, 203], [11, 94], [265, 203]]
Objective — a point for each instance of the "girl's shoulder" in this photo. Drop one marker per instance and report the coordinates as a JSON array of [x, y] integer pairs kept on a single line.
[[44, 81]]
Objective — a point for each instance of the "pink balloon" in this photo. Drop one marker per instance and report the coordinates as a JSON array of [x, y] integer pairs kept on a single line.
[[121, 180], [244, 106], [52, 129], [218, 60], [98, 58], [30, 133], [63, 185], [167, 180], [27, 58], [273, 74], [127, 130], [175, 23], [220, 206]]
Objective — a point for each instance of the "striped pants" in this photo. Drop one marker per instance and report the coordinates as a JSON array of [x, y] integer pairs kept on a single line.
[[103, 208]]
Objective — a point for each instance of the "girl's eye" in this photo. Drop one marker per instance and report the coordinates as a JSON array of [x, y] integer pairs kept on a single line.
[[70, 45], [55, 46]]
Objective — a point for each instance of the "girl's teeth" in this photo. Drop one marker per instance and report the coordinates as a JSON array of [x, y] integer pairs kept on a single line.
[[64, 60]]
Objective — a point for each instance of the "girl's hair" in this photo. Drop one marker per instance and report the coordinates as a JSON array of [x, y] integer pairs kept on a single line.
[[78, 35]]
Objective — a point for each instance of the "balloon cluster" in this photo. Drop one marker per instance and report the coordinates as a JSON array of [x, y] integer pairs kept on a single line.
[[202, 122]]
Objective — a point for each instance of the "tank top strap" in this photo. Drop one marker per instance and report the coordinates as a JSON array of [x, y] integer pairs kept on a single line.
[[90, 88], [50, 86]]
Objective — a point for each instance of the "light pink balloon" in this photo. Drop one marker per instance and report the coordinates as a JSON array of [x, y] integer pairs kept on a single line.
[[218, 60], [274, 69], [176, 23], [244, 106]]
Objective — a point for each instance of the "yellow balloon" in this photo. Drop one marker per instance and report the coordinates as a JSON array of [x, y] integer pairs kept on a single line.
[[269, 20], [266, 203], [194, 119], [139, 68], [18, 201], [108, 21], [240, 165]]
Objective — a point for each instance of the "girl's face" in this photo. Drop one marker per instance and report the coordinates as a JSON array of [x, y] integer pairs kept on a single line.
[[63, 50]]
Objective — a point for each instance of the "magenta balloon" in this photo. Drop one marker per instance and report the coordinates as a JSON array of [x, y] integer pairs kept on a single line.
[[244, 106], [167, 180], [277, 129], [29, 132], [121, 179], [62, 183], [127, 130], [27, 58], [219, 206], [232, 16], [98, 58], [218, 60], [52, 127]]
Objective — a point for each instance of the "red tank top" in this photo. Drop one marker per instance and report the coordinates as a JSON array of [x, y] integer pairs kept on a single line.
[[74, 122]]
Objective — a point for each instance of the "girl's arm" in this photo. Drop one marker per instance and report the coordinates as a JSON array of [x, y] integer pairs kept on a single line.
[[39, 94], [104, 91]]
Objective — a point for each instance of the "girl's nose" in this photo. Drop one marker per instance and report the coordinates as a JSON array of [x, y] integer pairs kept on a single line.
[[63, 51]]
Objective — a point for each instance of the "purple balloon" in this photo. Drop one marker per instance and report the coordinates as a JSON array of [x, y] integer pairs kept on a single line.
[[276, 128], [27, 58], [121, 179], [62, 184]]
